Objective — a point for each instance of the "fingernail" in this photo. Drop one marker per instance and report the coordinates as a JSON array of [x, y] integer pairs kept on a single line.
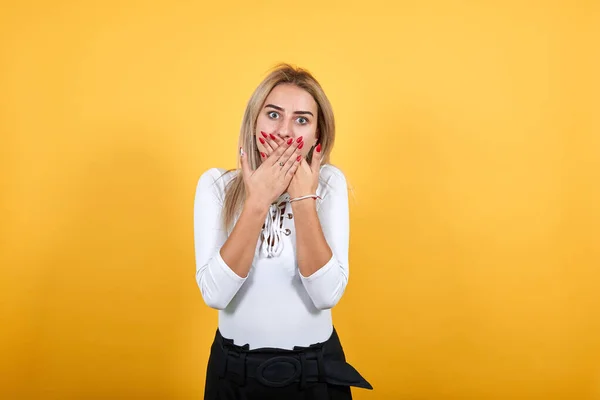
[[264, 134], [290, 140], [301, 145], [318, 148], [272, 136], [261, 140], [299, 139], [298, 159], [262, 154]]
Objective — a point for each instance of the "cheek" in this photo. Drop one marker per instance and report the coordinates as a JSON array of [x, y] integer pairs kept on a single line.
[[259, 145], [309, 135], [265, 124], [309, 141], [262, 124]]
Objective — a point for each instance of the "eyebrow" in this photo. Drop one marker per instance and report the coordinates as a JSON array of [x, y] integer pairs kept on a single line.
[[295, 112]]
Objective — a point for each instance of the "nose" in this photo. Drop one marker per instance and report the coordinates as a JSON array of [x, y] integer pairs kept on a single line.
[[285, 129]]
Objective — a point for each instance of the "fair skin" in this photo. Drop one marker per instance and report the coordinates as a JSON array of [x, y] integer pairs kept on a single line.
[[286, 124]]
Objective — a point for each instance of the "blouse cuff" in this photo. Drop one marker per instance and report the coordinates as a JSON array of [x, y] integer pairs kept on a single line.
[[227, 270], [321, 271]]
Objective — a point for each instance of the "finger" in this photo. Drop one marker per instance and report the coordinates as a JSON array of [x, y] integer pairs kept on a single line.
[[278, 140], [266, 142], [272, 147], [292, 165], [292, 146], [295, 158], [317, 156], [271, 142], [246, 171], [276, 156]]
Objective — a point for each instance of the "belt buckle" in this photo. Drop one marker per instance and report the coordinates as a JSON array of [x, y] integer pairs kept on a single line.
[[280, 359]]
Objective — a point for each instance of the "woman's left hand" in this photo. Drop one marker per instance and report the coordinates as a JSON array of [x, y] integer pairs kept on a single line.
[[306, 179]]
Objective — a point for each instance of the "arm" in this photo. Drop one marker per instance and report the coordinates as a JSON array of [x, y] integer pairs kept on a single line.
[[238, 250], [312, 249], [322, 239], [222, 263]]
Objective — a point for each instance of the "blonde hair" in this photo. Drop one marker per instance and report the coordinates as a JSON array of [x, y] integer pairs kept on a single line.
[[281, 74]]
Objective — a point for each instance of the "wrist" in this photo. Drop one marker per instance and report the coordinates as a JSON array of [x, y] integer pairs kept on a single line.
[[305, 197], [256, 205], [304, 204]]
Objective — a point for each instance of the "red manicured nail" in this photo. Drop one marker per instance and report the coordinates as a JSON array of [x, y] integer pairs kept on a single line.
[[272, 136], [299, 139], [301, 145], [262, 154], [264, 134], [290, 140], [298, 159], [318, 148], [261, 140]]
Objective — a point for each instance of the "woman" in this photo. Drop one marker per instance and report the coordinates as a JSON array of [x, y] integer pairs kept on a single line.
[[272, 250]]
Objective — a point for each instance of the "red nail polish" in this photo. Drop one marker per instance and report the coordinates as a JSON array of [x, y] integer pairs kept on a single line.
[[318, 148], [301, 145], [272, 136], [264, 134], [298, 159], [261, 140], [262, 154], [299, 139], [290, 140]]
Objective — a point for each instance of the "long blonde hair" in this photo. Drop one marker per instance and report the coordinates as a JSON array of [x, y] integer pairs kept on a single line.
[[281, 74]]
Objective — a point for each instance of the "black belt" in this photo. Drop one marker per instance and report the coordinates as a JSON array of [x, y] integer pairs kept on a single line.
[[278, 368]]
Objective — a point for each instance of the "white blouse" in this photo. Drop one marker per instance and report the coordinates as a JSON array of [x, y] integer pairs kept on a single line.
[[274, 306]]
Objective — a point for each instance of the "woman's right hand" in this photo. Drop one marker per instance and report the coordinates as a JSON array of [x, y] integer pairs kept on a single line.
[[270, 179]]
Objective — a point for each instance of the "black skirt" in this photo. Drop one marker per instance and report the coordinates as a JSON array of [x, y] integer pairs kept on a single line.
[[317, 372]]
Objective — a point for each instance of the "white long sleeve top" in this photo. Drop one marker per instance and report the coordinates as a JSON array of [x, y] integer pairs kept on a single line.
[[275, 305]]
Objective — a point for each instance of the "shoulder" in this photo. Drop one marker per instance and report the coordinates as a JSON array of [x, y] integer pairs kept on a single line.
[[215, 180], [331, 179], [214, 176], [332, 175]]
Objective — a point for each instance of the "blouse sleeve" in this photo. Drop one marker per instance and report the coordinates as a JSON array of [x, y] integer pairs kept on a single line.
[[216, 280], [326, 286]]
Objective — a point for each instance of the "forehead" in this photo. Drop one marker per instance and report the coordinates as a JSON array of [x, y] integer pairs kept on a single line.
[[291, 98]]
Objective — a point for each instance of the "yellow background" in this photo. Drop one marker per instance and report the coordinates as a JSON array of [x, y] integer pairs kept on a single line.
[[468, 130]]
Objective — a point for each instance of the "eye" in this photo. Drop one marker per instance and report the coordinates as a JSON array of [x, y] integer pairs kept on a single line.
[[302, 120], [273, 114]]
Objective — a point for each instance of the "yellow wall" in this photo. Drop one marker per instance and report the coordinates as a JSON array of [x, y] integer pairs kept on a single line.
[[469, 131]]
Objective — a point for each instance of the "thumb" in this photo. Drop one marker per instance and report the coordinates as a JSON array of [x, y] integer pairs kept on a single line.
[[246, 171], [317, 156]]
